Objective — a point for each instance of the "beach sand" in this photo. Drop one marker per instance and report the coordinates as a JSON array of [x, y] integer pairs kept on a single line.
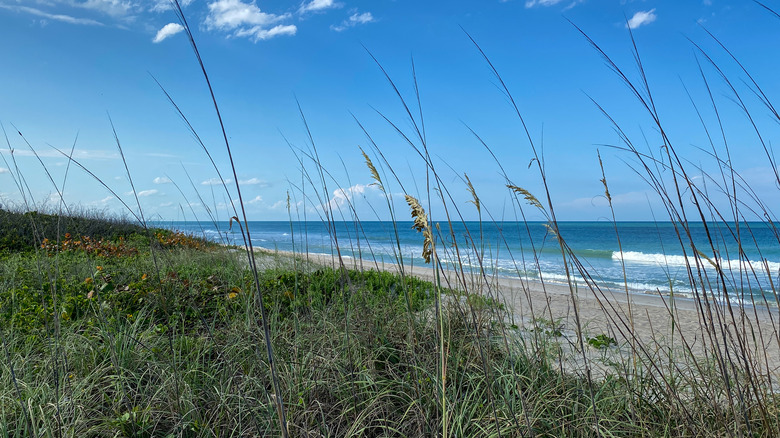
[[659, 326]]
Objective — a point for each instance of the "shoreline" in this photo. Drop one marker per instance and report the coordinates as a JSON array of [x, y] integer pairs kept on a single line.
[[655, 320]]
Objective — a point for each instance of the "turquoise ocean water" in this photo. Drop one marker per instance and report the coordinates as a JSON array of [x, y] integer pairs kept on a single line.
[[652, 255]]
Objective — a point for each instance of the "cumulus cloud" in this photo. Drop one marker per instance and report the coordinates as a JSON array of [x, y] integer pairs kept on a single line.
[[257, 199], [143, 193], [55, 17], [354, 20], [318, 5], [162, 180], [641, 18], [343, 196], [168, 30], [246, 20], [215, 182]]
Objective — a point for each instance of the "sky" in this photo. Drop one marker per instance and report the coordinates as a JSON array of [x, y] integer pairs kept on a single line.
[[299, 79]]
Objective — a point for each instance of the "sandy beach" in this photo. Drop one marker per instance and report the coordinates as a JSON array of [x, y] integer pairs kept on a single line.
[[657, 323]]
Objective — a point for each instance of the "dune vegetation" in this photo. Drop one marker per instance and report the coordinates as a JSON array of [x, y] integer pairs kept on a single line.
[[112, 327]]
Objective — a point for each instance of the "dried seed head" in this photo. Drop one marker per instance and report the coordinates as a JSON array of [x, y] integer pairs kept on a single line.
[[527, 195], [421, 225], [374, 173], [473, 192]]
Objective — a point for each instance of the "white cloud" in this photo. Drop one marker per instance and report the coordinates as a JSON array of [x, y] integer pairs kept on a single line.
[[166, 204], [100, 203], [342, 196], [257, 33], [246, 20], [641, 18], [162, 180], [319, 5], [532, 3], [253, 182], [354, 20], [215, 182], [114, 8], [143, 193], [4, 170], [168, 30], [256, 200], [55, 17], [165, 5]]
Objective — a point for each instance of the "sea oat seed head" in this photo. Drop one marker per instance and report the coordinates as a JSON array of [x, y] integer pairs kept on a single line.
[[421, 225]]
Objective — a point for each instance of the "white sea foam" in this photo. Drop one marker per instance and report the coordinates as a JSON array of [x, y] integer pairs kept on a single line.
[[679, 260]]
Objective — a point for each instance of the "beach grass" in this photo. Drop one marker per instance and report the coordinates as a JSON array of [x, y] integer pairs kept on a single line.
[[174, 350], [111, 327]]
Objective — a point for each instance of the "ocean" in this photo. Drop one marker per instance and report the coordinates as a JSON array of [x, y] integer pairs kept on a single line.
[[652, 257]]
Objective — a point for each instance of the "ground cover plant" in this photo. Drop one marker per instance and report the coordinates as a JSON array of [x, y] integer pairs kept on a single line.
[[110, 327]]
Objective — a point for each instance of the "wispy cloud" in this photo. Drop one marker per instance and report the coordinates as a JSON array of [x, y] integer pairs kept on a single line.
[[257, 199], [162, 180], [113, 8], [319, 5], [144, 193], [4, 170], [533, 3], [545, 3], [159, 155], [165, 5], [101, 202], [254, 182], [168, 30], [215, 181], [641, 18], [246, 20], [354, 20], [49, 16]]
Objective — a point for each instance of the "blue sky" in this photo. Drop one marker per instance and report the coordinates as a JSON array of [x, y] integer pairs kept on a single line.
[[69, 64]]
